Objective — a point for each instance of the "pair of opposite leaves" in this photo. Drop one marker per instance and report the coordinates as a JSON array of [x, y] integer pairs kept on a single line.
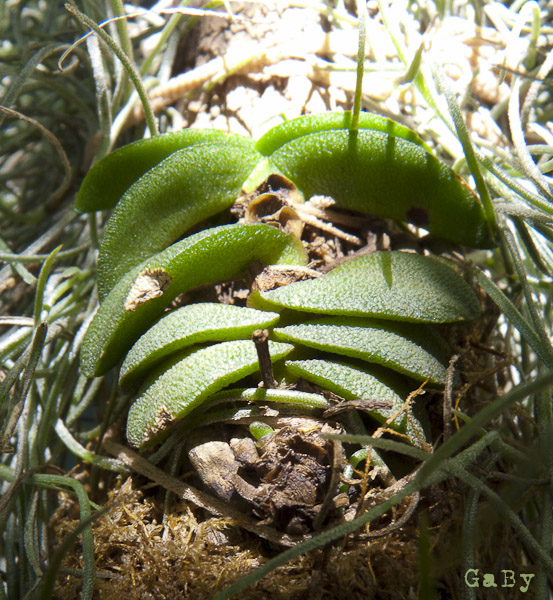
[[183, 178]]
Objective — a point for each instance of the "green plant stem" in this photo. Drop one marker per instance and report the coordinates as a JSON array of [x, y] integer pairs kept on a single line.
[[58, 482], [537, 321], [464, 138], [383, 444], [61, 222], [528, 242], [23, 74], [19, 411], [64, 185], [534, 199], [165, 34], [102, 95], [483, 417], [31, 259], [545, 420], [122, 30], [41, 284], [30, 535], [123, 87], [110, 464], [361, 9], [84, 399], [419, 79], [469, 536], [528, 165], [543, 72], [125, 61], [530, 542], [538, 344], [6, 252]]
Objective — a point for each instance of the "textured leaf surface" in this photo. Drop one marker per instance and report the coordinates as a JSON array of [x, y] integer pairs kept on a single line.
[[387, 176], [140, 297], [192, 324], [172, 393], [276, 137], [353, 383], [390, 285], [108, 179], [187, 187], [414, 350]]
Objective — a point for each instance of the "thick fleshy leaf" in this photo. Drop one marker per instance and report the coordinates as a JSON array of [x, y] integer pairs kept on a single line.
[[187, 187], [192, 324], [371, 383], [414, 350], [280, 135], [389, 285], [109, 179], [388, 176], [181, 386], [140, 297]]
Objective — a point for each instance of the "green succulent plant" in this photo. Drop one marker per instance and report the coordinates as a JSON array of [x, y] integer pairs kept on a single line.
[[373, 316]]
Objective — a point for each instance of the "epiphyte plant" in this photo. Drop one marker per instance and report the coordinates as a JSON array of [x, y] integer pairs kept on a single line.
[[365, 329]]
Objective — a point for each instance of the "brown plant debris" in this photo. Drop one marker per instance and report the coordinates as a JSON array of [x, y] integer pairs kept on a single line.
[[284, 486], [162, 421], [142, 554], [151, 283]]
